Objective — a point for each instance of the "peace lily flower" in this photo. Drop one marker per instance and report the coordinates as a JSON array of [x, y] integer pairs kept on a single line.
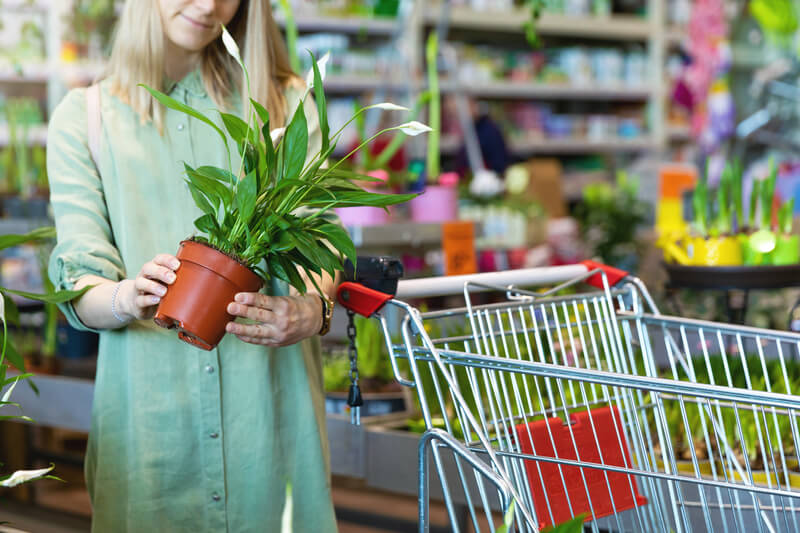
[[23, 476], [231, 46], [276, 134], [322, 65], [388, 106], [414, 128]]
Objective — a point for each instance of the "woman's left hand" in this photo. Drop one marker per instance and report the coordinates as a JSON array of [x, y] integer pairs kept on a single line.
[[280, 320]]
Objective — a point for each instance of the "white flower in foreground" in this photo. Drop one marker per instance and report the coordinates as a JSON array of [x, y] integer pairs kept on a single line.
[[414, 128], [231, 46], [22, 476], [388, 106], [286, 517], [276, 134], [322, 66]]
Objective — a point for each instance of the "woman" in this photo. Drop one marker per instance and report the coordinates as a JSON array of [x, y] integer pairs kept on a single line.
[[183, 439]]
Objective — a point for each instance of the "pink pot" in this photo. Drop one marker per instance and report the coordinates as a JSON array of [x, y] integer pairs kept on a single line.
[[438, 203], [362, 216]]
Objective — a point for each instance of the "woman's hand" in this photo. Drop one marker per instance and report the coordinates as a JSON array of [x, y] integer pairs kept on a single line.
[[280, 320], [139, 297]]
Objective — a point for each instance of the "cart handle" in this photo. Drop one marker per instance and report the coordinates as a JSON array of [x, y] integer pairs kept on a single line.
[[366, 301]]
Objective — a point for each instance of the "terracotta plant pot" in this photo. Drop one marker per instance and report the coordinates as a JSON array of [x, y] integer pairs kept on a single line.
[[206, 282]]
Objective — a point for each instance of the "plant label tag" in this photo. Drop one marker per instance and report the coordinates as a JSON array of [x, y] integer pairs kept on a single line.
[[458, 246]]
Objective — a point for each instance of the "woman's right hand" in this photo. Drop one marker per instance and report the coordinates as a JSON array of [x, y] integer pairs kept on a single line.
[[140, 296]]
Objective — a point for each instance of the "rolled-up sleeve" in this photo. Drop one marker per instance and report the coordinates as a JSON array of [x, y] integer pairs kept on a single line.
[[85, 243]]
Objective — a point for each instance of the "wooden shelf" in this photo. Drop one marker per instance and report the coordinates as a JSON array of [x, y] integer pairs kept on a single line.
[[26, 5], [511, 89], [678, 133], [37, 135], [616, 27], [675, 36], [312, 23]]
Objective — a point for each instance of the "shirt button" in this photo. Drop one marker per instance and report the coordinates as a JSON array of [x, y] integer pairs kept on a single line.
[[216, 497], [213, 435], [209, 369], [180, 127]]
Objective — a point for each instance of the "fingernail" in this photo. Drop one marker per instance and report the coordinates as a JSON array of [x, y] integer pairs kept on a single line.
[[162, 291], [232, 308], [240, 297], [155, 299], [175, 264], [170, 277]]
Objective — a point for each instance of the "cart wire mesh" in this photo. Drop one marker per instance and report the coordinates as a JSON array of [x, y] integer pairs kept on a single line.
[[594, 404]]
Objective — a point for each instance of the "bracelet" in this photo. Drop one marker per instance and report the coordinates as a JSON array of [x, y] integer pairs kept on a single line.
[[114, 303]]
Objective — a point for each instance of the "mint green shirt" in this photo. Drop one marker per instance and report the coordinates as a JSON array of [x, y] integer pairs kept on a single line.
[[182, 439]]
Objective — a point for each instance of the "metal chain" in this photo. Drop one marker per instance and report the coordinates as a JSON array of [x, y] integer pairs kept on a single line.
[[351, 351]]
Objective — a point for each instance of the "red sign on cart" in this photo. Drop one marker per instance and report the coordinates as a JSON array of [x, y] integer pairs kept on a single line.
[[558, 491]]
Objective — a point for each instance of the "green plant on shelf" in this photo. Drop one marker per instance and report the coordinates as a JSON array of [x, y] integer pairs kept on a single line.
[[87, 18], [10, 357], [609, 216], [23, 167]]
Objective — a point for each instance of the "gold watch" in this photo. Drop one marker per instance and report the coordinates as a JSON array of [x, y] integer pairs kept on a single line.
[[327, 314]]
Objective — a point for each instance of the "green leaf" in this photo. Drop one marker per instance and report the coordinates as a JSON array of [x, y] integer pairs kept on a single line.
[[183, 108], [201, 201], [295, 144], [262, 112], [349, 198], [39, 234], [322, 111], [246, 197], [340, 240], [215, 173], [237, 128], [216, 191], [249, 158], [56, 298], [206, 223], [14, 357], [12, 313]]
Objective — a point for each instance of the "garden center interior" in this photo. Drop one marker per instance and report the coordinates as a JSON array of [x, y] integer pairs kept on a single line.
[[657, 137]]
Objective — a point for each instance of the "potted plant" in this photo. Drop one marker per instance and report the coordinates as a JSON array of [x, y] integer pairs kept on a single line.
[[787, 246], [762, 241], [249, 231], [10, 355], [439, 201], [714, 246]]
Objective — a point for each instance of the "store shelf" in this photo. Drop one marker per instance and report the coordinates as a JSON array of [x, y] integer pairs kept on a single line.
[[26, 5], [449, 144], [314, 23], [616, 27], [28, 73], [36, 135], [511, 89], [397, 235], [347, 83]]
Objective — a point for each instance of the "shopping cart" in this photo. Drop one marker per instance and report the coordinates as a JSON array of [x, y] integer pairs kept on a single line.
[[593, 403]]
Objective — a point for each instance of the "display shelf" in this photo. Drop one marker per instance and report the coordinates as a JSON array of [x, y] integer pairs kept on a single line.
[[401, 234], [19, 226], [329, 23], [36, 135], [347, 83], [513, 89], [26, 5], [615, 27], [564, 146], [29, 73], [679, 133]]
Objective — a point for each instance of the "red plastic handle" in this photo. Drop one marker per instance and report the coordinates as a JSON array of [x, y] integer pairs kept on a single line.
[[360, 299], [614, 275]]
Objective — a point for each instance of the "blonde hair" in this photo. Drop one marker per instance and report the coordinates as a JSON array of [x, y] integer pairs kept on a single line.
[[138, 57]]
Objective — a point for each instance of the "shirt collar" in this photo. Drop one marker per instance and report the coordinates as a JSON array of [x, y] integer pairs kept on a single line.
[[192, 83]]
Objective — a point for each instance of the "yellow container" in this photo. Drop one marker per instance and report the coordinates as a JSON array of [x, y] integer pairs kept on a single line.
[[716, 251]]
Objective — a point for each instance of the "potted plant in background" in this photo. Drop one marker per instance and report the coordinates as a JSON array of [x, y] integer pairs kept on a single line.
[[250, 233], [439, 201], [761, 242], [787, 246]]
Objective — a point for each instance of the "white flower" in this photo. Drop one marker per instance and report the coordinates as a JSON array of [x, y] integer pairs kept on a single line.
[[388, 106], [276, 134], [231, 46], [322, 66], [286, 517], [22, 476], [414, 128]]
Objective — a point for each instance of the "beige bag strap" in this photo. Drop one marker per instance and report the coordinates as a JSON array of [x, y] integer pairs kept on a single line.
[[95, 122]]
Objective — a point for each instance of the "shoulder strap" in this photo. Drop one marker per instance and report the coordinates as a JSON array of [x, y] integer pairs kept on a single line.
[[95, 121]]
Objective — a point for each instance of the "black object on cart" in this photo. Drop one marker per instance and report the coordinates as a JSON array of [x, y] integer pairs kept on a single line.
[[736, 282]]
